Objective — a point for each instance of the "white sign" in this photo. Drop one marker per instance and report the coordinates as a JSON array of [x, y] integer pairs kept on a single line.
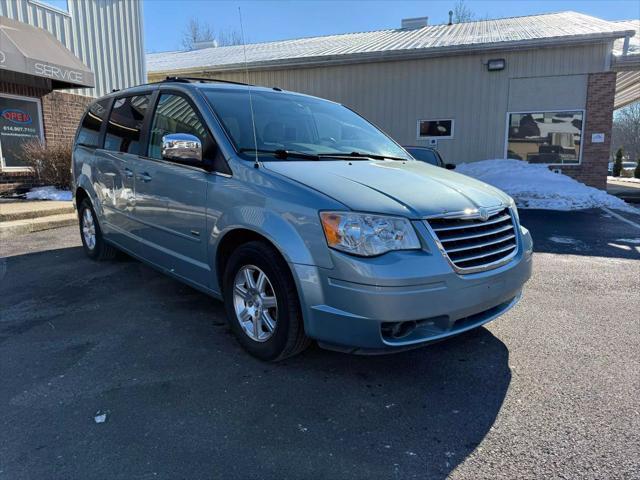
[[56, 72], [433, 142], [597, 138]]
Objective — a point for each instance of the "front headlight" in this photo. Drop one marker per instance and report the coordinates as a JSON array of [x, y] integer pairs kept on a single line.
[[367, 234]]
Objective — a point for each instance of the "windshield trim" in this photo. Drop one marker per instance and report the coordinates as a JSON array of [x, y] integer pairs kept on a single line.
[[215, 114]]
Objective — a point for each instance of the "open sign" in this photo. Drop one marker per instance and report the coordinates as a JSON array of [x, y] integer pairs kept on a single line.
[[15, 115]]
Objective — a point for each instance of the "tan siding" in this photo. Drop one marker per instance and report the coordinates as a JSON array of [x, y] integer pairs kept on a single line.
[[570, 93], [394, 95]]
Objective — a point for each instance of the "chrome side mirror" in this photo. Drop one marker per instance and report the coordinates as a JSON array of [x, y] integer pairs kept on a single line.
[[182, 147]]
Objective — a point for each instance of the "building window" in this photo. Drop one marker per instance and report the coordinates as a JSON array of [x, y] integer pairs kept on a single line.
[[440, 129], [545, 137], [20, 123]]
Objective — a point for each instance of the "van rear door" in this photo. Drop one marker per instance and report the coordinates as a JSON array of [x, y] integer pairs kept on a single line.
[[116, 165]]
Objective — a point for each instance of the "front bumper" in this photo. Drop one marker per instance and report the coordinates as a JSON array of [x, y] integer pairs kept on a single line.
[[350, 307]]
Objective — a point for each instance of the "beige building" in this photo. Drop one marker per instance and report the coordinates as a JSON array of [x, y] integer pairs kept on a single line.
[[539, 88]]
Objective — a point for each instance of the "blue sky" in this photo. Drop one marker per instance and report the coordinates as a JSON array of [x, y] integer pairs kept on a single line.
[[277, 20]]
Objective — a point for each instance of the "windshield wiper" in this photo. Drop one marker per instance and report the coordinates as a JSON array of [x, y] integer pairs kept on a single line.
[[359, 155], [283, 154]]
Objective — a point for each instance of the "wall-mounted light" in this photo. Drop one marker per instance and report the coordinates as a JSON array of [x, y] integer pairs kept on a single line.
[[496, 64]]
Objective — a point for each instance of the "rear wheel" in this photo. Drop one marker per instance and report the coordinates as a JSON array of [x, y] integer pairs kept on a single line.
[[262, 303], [91, 235]]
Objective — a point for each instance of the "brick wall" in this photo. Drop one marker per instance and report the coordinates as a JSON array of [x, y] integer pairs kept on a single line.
[[61, 114], [601, 89], [22, 90], [12, 182]]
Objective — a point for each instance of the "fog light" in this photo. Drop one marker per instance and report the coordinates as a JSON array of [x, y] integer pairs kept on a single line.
[[397, 330]]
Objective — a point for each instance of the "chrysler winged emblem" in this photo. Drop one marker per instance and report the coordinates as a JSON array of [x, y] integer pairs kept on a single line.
[[484, 214]]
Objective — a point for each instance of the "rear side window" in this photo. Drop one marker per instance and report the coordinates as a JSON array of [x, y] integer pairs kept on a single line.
[[125, 124], [175, 115], [89, 132]]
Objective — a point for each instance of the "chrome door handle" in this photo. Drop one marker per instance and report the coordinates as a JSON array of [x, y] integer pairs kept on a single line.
[[128, 173], [145, 177]]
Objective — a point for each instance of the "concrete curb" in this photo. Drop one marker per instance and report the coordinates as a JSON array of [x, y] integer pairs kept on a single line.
[[33, 209], [31, 214], [18, 227]]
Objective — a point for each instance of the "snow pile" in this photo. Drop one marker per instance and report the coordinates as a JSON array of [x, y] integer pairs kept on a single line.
[[48, 193], [535, 186], [624, 179]]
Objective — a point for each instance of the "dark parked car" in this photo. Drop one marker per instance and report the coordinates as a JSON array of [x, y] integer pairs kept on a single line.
[[429, 155]]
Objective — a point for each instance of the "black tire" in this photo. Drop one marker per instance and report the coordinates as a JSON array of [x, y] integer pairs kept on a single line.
[[288, 337], [101, 250]]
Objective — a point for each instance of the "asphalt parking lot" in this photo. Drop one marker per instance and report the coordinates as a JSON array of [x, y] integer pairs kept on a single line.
[[550, 390]]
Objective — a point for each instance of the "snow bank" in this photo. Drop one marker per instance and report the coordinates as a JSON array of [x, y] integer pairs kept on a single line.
[[624, 179], [48, 193], [535, 186]]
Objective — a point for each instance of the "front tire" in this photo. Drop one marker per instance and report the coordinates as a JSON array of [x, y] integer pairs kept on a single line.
[[91, 235], [262, 303]]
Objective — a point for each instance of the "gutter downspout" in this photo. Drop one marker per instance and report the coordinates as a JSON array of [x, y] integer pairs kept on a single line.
[[625, 46]]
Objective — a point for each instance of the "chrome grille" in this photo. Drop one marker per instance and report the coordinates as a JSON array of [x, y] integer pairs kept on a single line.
[[472, 244]]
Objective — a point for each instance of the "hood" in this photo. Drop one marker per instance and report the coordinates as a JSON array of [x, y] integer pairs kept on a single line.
[[412, 189]]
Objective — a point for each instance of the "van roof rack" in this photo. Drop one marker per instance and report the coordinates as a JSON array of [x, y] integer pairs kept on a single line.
[[201, 80]]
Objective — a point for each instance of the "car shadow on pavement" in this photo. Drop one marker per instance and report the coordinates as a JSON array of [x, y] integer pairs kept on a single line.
[[592, 232], [182, 399]]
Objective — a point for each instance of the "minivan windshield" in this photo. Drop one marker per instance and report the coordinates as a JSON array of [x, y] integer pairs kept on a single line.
[[302, 127]]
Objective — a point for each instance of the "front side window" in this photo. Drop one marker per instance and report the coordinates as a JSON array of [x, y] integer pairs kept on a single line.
[[125, 124], [547, 137], [435, 129], [89, 132], [174, 114], [291, 122]]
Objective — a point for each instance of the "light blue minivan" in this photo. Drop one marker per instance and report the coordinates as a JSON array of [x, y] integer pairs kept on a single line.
[[305, 219]]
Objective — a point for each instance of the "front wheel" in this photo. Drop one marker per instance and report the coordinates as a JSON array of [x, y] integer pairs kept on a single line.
[[262, 303], [91, 235]]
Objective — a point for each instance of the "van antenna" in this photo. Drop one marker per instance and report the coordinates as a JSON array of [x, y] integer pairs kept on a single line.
[[256, 164]]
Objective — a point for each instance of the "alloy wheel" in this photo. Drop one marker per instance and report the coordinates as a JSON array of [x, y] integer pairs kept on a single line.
[[255, 303], [88, 229]]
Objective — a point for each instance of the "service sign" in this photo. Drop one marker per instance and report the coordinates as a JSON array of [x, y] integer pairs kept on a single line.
[[19, 124]]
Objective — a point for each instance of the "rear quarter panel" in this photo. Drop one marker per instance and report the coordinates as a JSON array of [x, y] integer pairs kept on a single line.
[[83, 167]]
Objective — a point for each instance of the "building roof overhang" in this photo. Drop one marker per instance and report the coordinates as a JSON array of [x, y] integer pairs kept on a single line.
[[29, 50], [489, 36]]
